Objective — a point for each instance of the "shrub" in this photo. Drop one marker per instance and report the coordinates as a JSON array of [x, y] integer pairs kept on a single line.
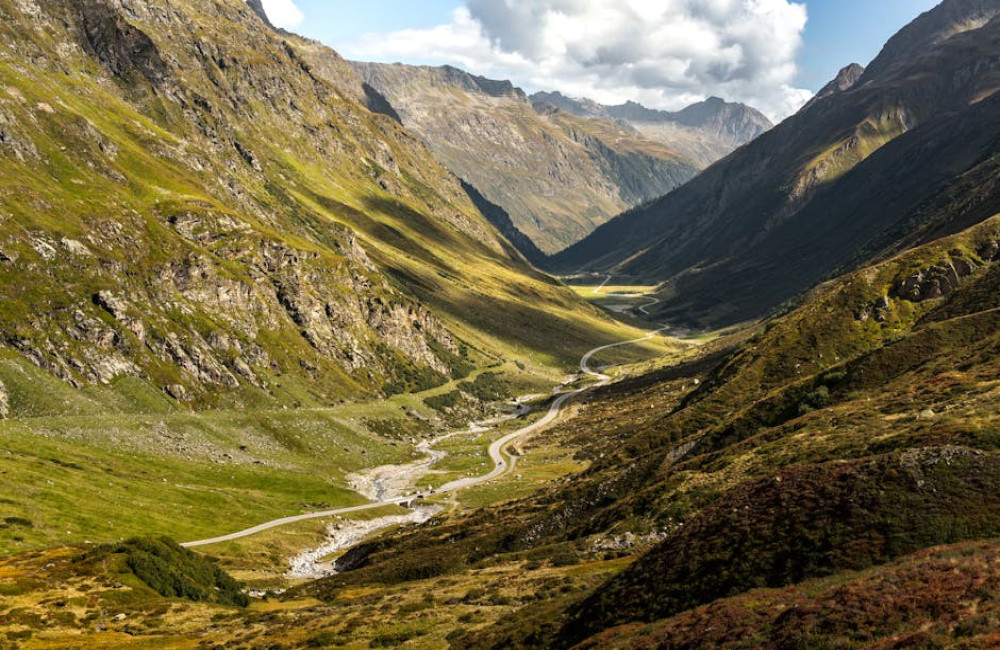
[[175, 572]]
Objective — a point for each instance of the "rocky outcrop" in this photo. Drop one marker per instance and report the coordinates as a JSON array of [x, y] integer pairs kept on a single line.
[[121, 47], [11, 141], [4, 402], [845, 80], [258, 8], [936, 281], [930, 283], [878, 310], [990, 251]]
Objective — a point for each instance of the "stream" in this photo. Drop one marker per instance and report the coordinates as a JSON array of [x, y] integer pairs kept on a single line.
[[382, 484], [345, 534]]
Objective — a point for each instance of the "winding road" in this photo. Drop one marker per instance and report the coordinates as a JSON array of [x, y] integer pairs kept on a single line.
[[641, 308], [501, 464]]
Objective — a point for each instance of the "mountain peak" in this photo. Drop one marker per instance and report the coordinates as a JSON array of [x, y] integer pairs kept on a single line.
[[258, 8], [849, 75], [577, 106], [846, 79], [726, 125], [475, 83]]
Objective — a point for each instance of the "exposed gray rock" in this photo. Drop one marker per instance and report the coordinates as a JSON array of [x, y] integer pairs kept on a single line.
[[4, 402], [121, 47], [990, 251], [879, 310], [177, 391], [258, 8]]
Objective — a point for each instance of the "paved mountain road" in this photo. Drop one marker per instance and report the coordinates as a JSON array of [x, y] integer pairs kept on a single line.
[[501, 464]]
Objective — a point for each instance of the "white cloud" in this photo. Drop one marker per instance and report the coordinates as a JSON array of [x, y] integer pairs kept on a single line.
[[664, 53], [283, 13]]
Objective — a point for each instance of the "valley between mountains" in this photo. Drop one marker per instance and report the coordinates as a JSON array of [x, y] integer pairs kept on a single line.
[[302, 352]]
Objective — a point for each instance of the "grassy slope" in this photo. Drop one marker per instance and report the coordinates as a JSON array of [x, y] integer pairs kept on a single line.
[[699, 495], [944, 597], [856, 403]]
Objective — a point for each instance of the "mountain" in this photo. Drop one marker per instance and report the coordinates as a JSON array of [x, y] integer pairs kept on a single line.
[[557, 175], [706, 131], [889, 161], [190, 207]]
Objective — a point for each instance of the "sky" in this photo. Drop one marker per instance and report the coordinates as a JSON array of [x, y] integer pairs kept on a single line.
[[771, 54]]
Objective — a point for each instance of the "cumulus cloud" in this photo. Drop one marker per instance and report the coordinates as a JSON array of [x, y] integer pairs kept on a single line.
[[664, 53], [283, 13]]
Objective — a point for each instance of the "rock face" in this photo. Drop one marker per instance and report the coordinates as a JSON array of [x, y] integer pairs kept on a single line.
[[556, 174], [901, 155], [936, 281], [121, 47], [187, 201]]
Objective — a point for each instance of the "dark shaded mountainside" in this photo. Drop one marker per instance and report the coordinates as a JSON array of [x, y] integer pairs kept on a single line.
[[189, 207], [796, 497], [904, 154], [557, 171]]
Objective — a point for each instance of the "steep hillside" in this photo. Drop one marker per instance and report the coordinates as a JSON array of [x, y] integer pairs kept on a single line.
[[840, 182], [201, 211], [706, 131], [946, 597], [557, 175]]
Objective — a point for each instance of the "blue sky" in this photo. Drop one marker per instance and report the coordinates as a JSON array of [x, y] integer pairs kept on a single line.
[[849, 31], [837, 32]]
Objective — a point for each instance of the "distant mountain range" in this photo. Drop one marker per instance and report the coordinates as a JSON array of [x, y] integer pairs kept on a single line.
[[706, 131], [558, 167]]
